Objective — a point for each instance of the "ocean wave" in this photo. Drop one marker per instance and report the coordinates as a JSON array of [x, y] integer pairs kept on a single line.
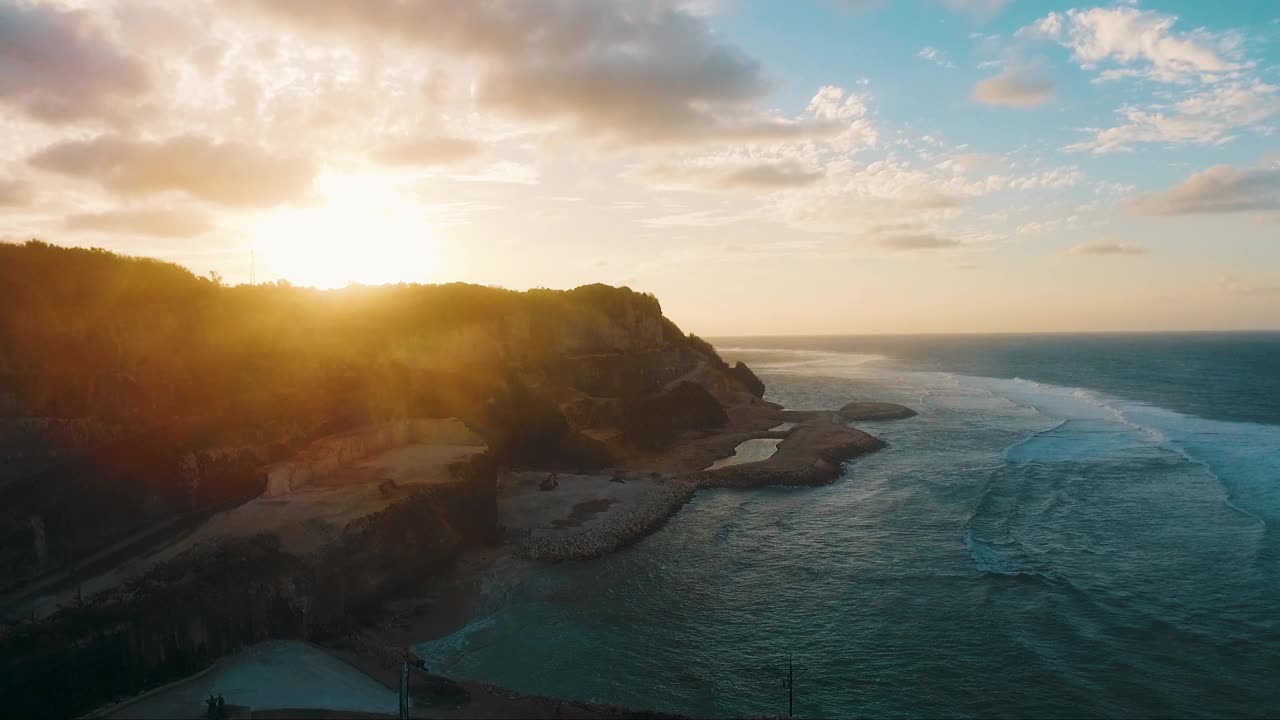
[[789, 359], [989, 559], [1012, 449], [1242, 458], [441, 655]]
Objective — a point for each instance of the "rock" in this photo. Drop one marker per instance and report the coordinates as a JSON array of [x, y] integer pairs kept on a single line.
[[657, 421], [744, 375], [550, 483], [875, 411]]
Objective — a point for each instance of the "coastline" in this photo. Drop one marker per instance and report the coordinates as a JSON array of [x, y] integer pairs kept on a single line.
[[812, 452], [585, 516]]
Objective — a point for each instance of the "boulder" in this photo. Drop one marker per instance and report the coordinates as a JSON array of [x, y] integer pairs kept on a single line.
[[856, 411]]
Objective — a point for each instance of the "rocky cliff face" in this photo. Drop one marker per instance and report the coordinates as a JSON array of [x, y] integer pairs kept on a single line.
[[604, 361], [216, 598]]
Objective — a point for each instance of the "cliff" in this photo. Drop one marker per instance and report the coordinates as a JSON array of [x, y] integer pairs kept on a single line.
[[135, 396], [156, 427], [216, 597]]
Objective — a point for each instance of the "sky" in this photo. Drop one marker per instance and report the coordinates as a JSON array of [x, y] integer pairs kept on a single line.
[[764, 168]]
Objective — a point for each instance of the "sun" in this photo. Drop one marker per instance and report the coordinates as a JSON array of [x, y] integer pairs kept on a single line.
[[365, 231]]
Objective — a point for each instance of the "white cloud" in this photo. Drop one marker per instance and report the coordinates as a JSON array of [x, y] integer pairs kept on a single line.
[[1140, 43], [935, 56], [770, 166], [1204, 118], [1054, 179], [629, 74]]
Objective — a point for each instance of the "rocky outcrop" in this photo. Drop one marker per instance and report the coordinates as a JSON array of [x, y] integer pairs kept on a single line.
[[216, 597], [119, 488], [747, 378], [656, 421], [810, 454], [856, 411]]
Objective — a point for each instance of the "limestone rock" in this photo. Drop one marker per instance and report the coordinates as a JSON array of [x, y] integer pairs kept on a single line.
[[856, 411]]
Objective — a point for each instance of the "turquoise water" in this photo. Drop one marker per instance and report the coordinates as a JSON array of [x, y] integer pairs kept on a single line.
[[1071, 527]]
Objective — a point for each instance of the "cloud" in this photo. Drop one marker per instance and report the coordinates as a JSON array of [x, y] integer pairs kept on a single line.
[[755, 176], [15, 192], [1141, 42], [1015, 88], [59, 66], [970, 163], [1203, 118], [770, 177], [906, 238], [1218, 190], [157, 223], [1057, 178], [227, 173], [1106, 247], [424, 151], [935, 56], [626, 73]]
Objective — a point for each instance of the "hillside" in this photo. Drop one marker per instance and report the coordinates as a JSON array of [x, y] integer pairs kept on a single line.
[[132, 391]]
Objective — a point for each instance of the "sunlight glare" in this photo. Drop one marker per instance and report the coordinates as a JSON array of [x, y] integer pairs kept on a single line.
[[365, 231]]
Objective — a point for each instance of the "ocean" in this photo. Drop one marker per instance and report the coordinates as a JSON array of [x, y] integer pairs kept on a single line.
[[1074, 526]]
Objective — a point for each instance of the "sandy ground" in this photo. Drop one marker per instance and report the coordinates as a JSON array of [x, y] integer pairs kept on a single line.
[[269, 676]]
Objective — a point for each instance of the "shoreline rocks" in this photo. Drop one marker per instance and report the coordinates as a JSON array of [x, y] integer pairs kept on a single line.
[[864, 411], [811, 454], [614, 532]]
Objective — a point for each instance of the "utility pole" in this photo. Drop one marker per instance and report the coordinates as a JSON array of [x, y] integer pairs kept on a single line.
[[790, 684], [791, 687]]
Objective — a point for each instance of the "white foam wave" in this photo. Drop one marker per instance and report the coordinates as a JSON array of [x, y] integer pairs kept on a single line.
[[442, 654], [1243, 458], [784, 359]]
